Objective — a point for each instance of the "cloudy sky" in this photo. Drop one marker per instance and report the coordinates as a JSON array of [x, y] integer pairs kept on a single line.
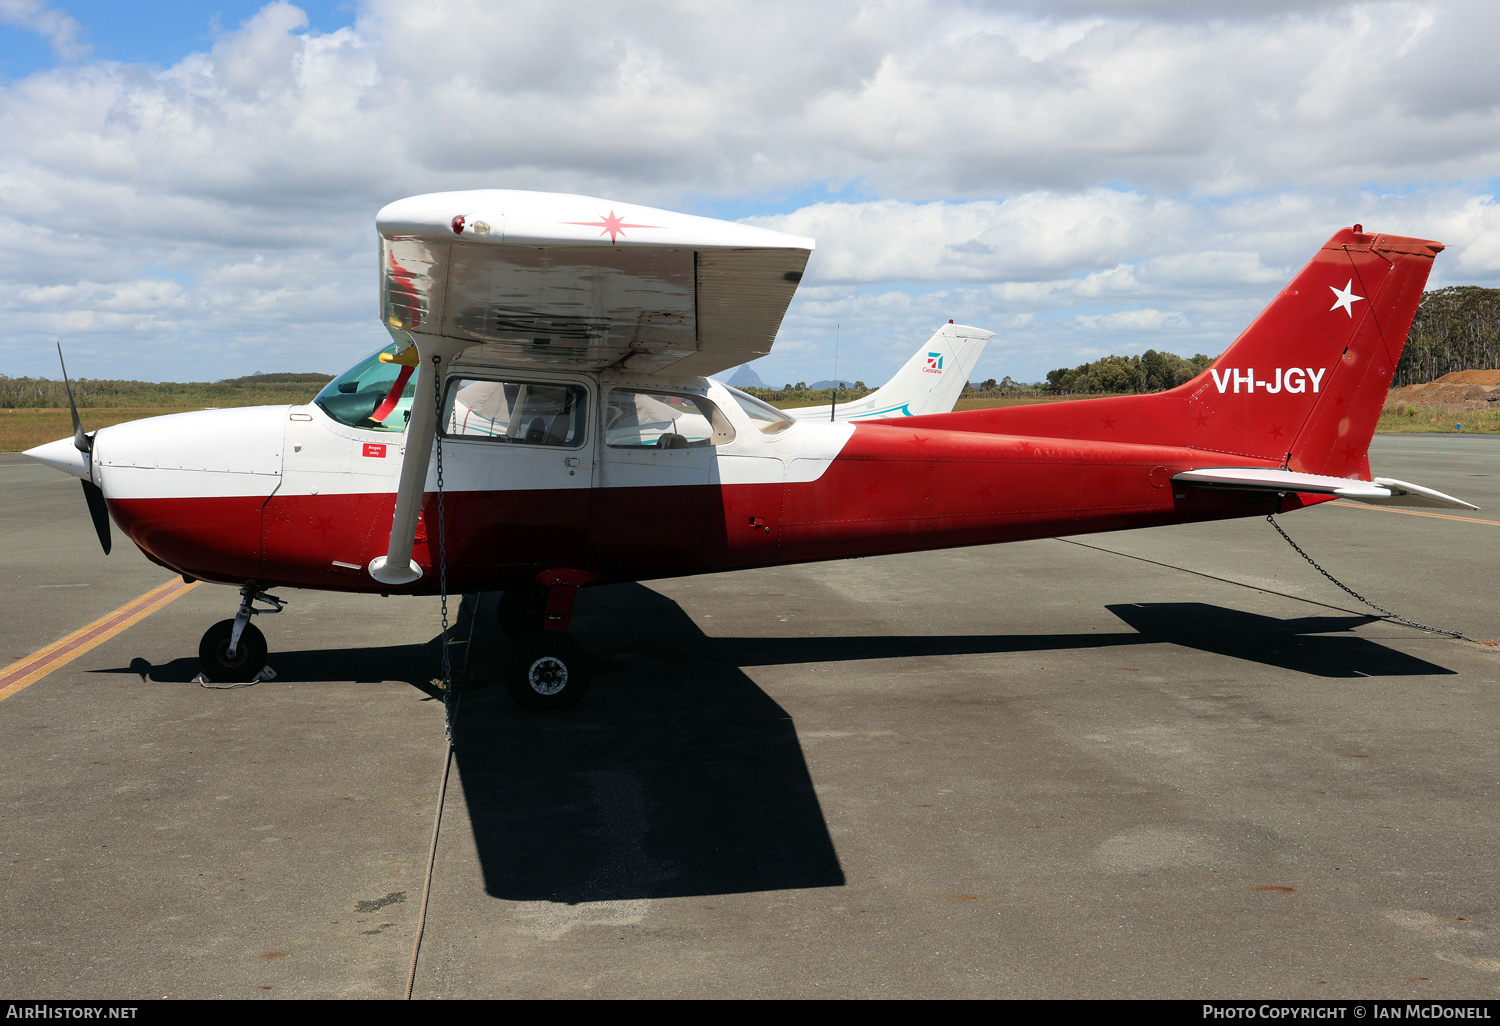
[[188, 192]]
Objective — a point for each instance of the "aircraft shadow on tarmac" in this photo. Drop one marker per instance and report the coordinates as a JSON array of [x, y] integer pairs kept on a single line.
[[677, 775], [410, 664], [1315, 645], [1299, 644]]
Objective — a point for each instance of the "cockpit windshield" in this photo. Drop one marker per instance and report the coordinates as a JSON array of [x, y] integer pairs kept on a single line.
[[371, 395]]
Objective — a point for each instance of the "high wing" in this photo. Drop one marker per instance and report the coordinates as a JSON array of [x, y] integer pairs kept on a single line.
[[557, 280], [930, 382]]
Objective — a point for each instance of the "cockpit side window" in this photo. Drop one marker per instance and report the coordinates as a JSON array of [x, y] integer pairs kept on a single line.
[[372, 395], [521, 412], [663, 420]]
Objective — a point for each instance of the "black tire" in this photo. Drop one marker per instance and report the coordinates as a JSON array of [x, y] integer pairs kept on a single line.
[[547, 670], [249, 659], [520, 610]]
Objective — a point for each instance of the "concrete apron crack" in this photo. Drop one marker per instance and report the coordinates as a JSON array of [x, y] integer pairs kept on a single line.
[[451, 701]]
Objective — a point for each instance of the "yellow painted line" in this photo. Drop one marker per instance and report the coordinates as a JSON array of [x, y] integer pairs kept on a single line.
[[1414, 513], [1434, 452], [34, 667]]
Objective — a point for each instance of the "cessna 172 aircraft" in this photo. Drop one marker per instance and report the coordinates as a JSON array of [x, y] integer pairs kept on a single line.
[[556, 349]]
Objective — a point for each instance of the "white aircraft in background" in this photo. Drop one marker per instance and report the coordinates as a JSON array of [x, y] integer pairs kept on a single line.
[[930, 382]]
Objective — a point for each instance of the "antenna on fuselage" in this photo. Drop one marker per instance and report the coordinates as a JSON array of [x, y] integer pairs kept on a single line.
[[835, 407]]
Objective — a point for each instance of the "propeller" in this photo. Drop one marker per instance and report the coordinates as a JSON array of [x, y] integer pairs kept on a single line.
[[92, 493]]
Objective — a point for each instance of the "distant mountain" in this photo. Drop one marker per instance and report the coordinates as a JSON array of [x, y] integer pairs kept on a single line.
[[745, 377], [842, 383]]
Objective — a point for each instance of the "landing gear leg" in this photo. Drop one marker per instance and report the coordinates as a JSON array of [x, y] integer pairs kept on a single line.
[[234, 651], [520, 610], [548, 669]]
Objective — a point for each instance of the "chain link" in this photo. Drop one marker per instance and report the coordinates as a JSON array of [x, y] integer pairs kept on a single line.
[[1386, 613], [442, 533]]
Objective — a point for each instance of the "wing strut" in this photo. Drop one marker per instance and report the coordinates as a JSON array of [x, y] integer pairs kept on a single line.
[[397, 567]]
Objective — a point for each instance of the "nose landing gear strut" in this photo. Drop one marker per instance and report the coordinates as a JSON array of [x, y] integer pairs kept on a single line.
[[234, 651]]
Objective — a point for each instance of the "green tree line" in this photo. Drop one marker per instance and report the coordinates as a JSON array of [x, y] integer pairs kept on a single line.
[[253, 390], [1150, 372], [1456, 328], [790, 393]]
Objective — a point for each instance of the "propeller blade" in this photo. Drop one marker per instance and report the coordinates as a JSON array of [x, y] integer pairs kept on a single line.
[[83, 442], [97, 512]]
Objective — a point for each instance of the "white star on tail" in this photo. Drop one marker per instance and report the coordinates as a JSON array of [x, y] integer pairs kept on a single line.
[[1345, 298]]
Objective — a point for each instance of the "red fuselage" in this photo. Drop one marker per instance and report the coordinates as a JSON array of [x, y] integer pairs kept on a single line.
[[890, 488]]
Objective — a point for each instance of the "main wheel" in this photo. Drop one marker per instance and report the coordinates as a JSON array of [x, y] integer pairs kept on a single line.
[[249, 657], [520, 610], [547, 670]]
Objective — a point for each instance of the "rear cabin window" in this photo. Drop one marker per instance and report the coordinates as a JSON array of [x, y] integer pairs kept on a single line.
[[520, 412], [768, 418], [663, 420]]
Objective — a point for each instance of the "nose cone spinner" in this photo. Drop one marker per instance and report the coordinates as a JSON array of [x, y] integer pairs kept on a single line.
[[62, 455]]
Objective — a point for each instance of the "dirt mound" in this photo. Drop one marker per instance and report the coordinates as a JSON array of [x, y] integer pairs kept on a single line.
[[1470, 377], [1461, 390]]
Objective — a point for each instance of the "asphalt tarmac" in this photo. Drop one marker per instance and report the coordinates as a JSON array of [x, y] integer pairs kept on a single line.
[[1164, 763]]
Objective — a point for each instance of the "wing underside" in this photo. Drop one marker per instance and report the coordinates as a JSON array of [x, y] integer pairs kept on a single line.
[[691, 295]]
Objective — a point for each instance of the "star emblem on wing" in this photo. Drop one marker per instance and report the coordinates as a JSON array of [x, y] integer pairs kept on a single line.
[[1345, 298], [612, 225]]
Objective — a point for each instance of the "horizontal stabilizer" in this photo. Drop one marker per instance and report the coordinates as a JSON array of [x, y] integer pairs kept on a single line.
[[1383, 491], [1404, 494]]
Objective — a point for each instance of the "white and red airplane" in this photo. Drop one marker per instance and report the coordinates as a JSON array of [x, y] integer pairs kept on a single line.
[[553, 350]]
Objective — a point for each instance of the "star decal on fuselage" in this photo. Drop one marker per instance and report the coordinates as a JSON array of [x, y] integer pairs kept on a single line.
[[1345, 298], [612, 224]]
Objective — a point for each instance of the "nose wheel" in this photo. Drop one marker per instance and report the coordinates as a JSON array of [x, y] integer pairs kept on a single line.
[[249, 657], [234, 651]]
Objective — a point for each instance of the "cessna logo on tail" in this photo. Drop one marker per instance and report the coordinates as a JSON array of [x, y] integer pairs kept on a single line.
[[1293, 379], [934, 363]]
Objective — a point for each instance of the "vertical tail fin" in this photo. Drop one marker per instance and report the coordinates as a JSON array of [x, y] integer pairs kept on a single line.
[[1302, 385], [1305, 382]]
